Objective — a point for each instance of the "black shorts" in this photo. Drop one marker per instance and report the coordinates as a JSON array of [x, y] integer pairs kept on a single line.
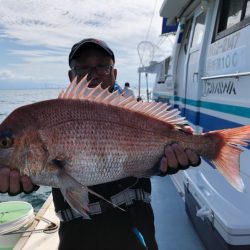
[[112, 230]]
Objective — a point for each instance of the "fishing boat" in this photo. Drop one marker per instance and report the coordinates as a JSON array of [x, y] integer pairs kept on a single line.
[[207, 78]]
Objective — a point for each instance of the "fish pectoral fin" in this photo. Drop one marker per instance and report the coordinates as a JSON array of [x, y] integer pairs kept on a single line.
[[78, 200], [74, 193]]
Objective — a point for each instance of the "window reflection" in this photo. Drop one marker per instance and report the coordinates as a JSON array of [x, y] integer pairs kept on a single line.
[[199, 30], [234, 13], [247, 14]]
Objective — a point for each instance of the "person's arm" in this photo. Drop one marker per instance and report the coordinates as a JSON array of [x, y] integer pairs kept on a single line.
[[12, 183]]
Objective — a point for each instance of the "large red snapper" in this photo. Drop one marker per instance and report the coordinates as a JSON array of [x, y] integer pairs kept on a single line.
[[89, 136]]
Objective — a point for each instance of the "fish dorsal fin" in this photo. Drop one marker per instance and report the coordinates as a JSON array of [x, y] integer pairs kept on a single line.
[[158, 110]]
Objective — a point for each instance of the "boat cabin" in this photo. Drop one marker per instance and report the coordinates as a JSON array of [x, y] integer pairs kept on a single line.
[[208, 79]]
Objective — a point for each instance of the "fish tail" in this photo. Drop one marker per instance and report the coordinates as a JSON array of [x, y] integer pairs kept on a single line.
[[227, 160]]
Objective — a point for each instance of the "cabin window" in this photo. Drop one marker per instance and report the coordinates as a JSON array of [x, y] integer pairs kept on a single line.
[[199, 30], [233, 15], [230, 14], [247, 14], [187, 35]]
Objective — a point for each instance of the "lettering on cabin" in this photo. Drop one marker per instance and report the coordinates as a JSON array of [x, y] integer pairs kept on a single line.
[[224, 45], [220, 88], [225, 61]]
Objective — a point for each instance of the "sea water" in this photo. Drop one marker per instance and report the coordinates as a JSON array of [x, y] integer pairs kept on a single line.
[[9, 101]]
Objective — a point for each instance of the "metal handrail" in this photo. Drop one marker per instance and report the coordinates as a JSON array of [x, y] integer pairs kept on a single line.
[[224, 76], [50, 228]]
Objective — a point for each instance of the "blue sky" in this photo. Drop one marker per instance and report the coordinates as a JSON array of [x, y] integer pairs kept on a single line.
[[36, 37]]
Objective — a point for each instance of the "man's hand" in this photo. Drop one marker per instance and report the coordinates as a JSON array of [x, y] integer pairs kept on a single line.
[[175, 158], [11, 182]]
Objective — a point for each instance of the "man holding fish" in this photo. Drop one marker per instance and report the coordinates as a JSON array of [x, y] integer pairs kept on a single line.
[[109, 227]]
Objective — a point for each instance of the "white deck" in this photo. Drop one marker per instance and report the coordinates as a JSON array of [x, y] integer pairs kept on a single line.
[[173, 228], [37, 240]]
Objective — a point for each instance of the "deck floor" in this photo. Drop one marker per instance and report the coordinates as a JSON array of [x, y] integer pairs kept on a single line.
[[174, 230], [41, 241]]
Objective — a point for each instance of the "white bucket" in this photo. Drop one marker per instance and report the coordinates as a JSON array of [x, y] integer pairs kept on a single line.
[[14, 215]]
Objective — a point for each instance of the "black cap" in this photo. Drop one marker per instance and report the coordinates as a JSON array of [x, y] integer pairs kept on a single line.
[[87, 42]]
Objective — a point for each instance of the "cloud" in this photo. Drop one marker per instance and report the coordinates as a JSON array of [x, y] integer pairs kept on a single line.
[[6, 74], [40, 56], [47, 29], [70, 20]]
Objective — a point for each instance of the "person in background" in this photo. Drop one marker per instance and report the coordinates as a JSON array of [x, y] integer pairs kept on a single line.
[[127, 91], [109, 228]]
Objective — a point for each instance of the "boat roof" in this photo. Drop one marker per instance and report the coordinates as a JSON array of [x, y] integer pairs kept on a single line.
[[172, 8]]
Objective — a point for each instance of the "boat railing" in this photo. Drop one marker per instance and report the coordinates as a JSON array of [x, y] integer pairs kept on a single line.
[[236, 75]]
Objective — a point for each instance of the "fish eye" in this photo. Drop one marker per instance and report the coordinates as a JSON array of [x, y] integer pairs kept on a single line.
[[6, 141]]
